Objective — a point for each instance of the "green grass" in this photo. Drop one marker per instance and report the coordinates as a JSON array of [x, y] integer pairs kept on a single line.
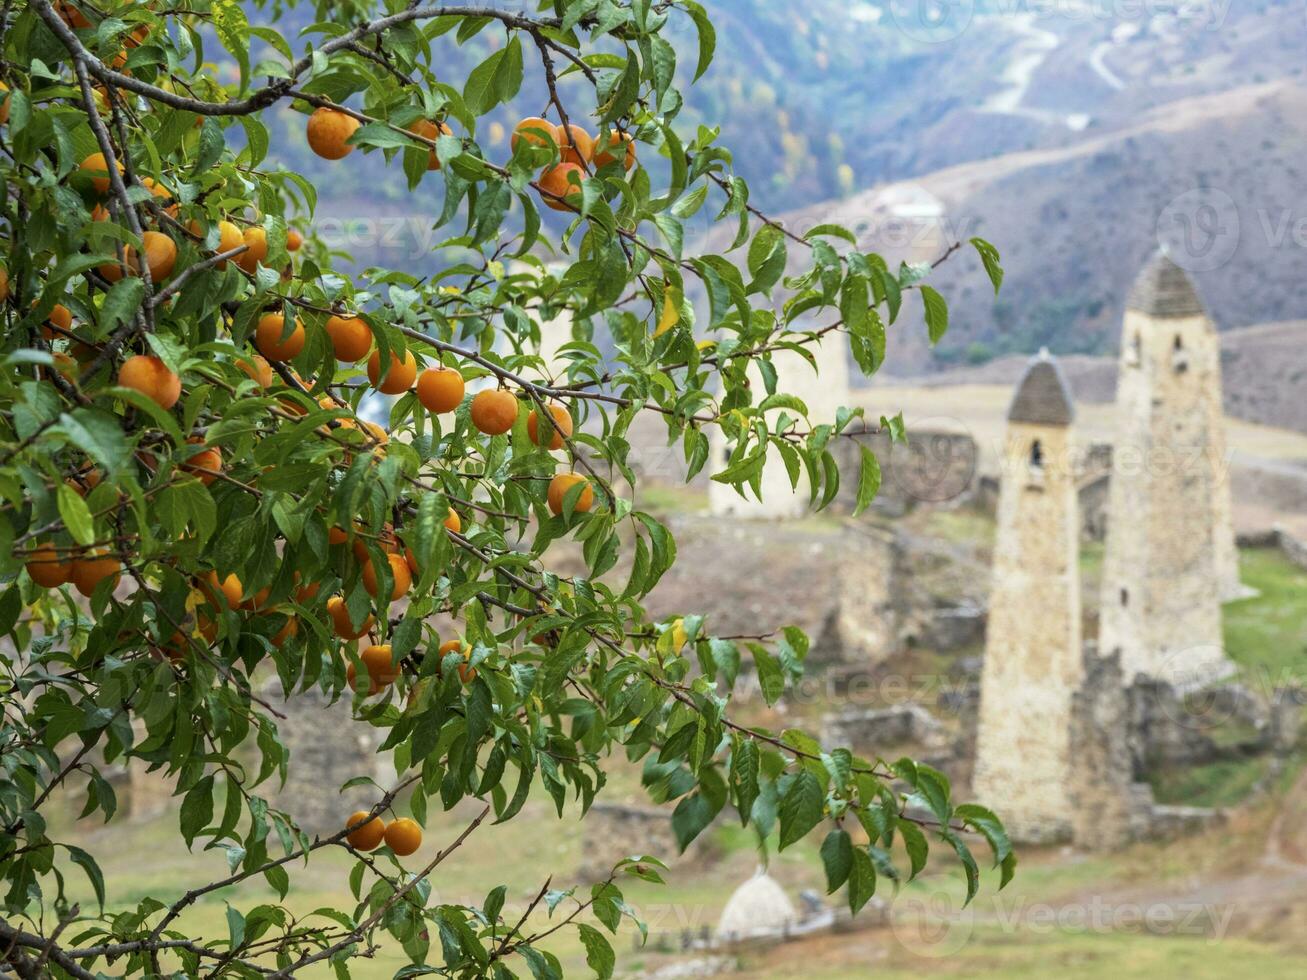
[[1267, 633], [964, 525], [663, 498], [1215, 784], [1024, 952]]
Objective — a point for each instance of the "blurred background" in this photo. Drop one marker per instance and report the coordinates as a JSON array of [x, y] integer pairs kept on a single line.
[[1080, 138]]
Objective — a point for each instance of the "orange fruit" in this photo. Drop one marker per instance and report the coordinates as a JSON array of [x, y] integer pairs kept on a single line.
[[305, 593], [340, 620], [150, 376], [206, 464], [46, 568], [164, 195], [440, 389], [160, 257], [494, 411], [4, 284], [605, 150], [90, 570], [96, 168], [328, 130], [268, 338], [536, 131], [351, 337], [453, 521], [229, 237], [336, 536], [256, 249], [576, 144], [558, 488], [294, 240], [555, 434], [386, 542], [429, 130], [368, 832], [399, 572], [70, 15], [59, 316], [560, 181], [231, 589], [65, 365], [400, 377], [258, 369], [466, 672], [289, 630], [381, 672], [4, 106], [403, 836]]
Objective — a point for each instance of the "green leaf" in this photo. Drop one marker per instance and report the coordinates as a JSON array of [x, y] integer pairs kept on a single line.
[[915, 843], [495, 80], [837, 858], [87, 863], [691, 816], [707, 37], [862, 880], [599, 954], [76, 515], [744, 775], [197, 809], [936, 313], [801, 808], [868, 480], [990, 259]]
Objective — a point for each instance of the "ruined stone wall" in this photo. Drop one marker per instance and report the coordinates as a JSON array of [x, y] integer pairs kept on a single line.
[[1110, 807], [327, 748], [1161, 584], [934, 468], [866, 616], [613, 831], [1033, 661]]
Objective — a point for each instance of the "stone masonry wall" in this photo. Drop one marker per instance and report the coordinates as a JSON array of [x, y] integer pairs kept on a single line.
[[327, 748]]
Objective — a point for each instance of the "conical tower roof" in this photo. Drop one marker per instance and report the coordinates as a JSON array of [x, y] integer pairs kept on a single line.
[[1042, 396], [1164, 289]]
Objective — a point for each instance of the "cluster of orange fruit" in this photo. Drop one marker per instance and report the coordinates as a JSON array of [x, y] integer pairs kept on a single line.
[[403, 835], [329, 130], [160, 250], [78, 21], [49, 568], [578, 151]]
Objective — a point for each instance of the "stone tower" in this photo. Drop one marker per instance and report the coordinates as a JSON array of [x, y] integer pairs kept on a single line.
[[1033, 645], [824, 391], [1170, 558]]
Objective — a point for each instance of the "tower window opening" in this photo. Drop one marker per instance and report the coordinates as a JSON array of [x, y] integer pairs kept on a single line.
[[1125, 597], [1136, 351], [1036, 455], [1179, 357]]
